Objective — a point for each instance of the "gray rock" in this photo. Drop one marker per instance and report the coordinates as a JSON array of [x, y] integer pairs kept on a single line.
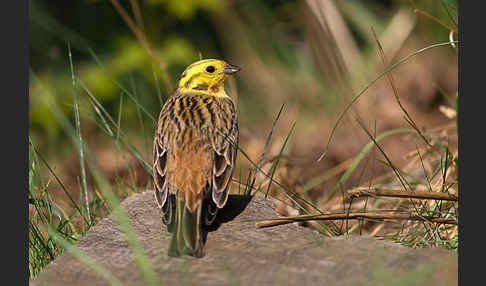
[[240, 254]]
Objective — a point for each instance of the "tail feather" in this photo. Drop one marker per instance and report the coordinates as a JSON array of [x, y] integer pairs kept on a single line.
[[187, 232]]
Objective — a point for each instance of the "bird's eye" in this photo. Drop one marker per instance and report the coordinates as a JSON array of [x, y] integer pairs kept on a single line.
[[210, 69]]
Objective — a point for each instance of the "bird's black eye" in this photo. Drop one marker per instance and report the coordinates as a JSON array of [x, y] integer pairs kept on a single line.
[[210, 69]]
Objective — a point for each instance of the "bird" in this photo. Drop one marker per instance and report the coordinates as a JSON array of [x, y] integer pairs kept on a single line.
[[194, 154]]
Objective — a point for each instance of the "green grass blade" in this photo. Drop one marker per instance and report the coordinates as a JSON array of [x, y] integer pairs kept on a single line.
[[119, 132], [286, 191], [78, 253], [269, 137], [157, 86], [132, 97], [363, 153], [274, 167], [79, 137], [136, 247], [63, 187]]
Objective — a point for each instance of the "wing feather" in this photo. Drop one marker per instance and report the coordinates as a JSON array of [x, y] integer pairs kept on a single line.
[[161, 186], [225, 149]]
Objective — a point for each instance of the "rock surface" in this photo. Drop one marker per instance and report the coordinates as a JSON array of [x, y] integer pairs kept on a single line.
[[240, 254]]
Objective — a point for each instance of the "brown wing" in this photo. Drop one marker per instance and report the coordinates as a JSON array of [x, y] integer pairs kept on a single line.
[[225, 144], [161, 186]]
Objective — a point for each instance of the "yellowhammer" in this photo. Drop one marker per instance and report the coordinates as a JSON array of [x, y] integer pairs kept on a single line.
[[194, 154]]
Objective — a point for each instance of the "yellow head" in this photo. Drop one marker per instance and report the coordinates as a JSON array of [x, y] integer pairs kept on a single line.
[[206, 76]]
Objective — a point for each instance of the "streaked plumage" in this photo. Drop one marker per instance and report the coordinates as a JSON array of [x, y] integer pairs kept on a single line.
[[194, 153]]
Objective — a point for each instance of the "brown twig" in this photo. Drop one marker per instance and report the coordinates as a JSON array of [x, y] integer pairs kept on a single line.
[[357, 215], [435, 19], [137, 13], [399, 193], [138, 32]]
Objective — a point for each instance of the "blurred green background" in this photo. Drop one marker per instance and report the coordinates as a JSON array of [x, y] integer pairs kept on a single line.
[[285, 53], [311, 56]]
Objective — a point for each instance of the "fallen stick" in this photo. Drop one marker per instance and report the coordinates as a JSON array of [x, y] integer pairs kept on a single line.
[[354, 193], [342, 216]]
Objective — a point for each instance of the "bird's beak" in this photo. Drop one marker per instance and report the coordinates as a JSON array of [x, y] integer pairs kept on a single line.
[[230, 69]]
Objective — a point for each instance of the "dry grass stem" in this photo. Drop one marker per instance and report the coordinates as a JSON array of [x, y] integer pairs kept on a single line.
[[357, 215], [389, 76], [399, 193]]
